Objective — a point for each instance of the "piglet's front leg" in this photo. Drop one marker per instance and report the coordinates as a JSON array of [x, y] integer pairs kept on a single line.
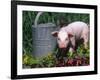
[[71, 50], [72, 45], [85, 38]]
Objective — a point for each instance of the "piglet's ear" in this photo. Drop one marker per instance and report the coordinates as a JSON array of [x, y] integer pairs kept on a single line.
[[55, 33], [70, 35]]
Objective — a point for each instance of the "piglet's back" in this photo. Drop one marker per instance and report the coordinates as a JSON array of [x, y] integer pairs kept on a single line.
[[76, 28]]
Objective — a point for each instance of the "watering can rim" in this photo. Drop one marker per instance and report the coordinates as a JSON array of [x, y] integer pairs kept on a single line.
[[42, 25]]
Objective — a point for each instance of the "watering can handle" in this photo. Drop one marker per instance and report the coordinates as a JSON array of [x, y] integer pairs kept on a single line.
[[37, 17]]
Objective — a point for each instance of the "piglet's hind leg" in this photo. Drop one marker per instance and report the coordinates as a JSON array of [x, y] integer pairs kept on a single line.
[[85, 38]]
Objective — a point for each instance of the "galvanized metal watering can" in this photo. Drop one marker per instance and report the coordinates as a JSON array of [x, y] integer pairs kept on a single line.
[[43, 42]]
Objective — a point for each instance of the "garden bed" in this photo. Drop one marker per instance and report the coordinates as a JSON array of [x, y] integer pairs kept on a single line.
[[79, 58]]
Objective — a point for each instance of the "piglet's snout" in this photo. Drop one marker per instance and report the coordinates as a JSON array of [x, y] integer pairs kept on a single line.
[[62, 45]]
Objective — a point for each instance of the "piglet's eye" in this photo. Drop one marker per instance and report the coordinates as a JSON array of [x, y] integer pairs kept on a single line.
[[58, 38], [66, 39]]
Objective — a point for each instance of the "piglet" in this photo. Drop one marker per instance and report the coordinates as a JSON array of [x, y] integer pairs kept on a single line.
[[72, 33]]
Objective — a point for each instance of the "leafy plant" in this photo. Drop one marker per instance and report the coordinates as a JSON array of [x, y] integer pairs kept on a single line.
[[48, 61], [28, 59], [79, 58]]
